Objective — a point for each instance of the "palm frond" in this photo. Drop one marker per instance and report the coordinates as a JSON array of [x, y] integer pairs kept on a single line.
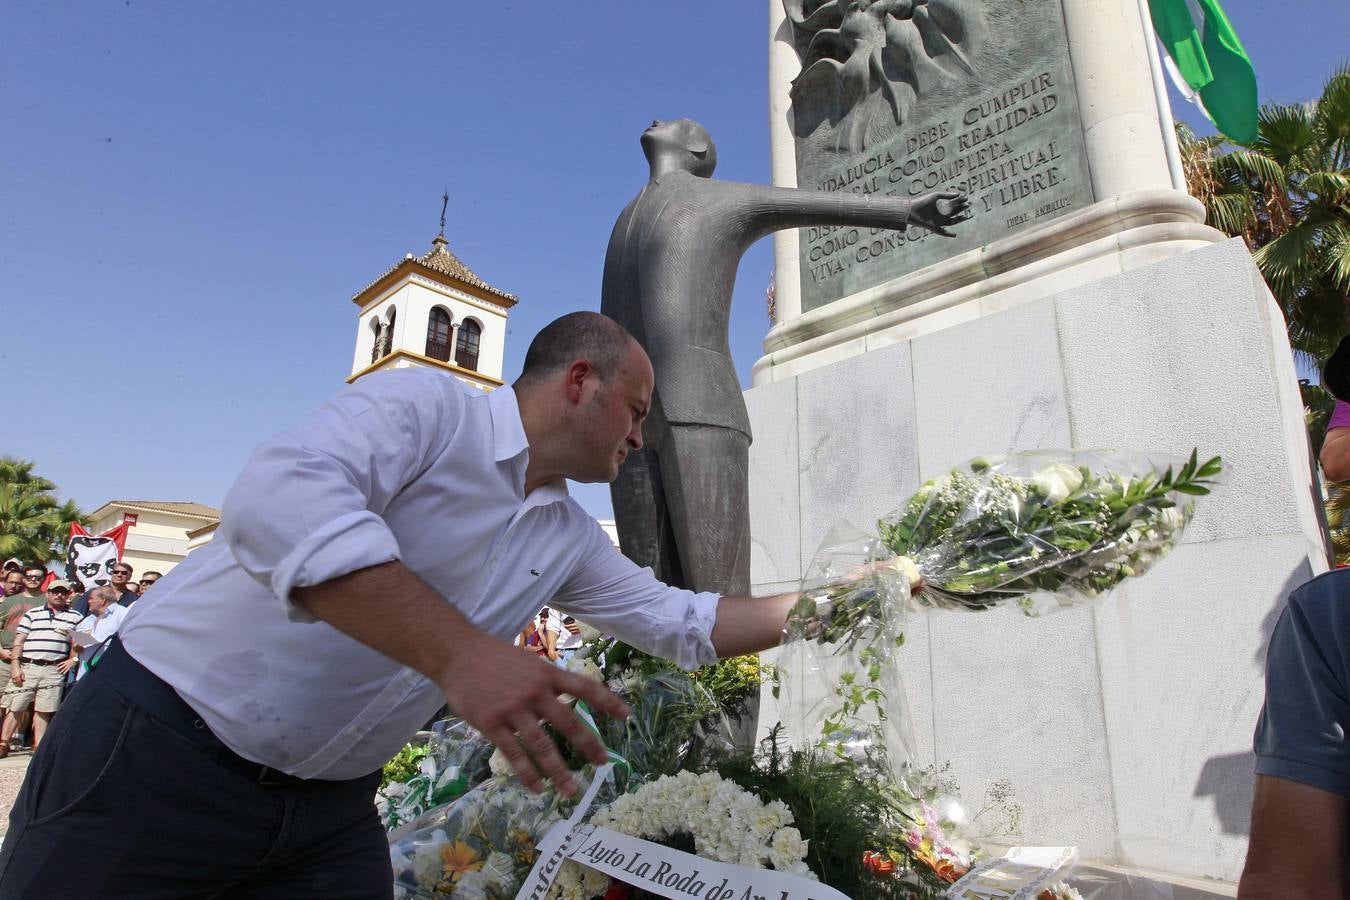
[[1288, 259], [1316, 320], [1286, 131], [1332, 118], [1250, 165], [1337, 251], [1233, 214], [1331, 187]]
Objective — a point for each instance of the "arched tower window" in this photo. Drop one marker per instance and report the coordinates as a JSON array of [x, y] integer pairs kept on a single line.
[[438, 334], [466, 347], [377, 331], [384, 337]]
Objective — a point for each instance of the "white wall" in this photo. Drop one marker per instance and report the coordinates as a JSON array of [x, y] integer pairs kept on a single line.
[[395, 299]]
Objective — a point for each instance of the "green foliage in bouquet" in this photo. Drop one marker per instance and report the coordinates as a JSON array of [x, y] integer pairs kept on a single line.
[[675, 724], [405, 764], [733, 681], [852, 816]]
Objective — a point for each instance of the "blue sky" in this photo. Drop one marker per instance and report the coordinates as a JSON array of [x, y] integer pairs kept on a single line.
[[190, 193]]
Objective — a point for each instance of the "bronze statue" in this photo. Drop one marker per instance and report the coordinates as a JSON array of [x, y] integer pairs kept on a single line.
[[681, 503]]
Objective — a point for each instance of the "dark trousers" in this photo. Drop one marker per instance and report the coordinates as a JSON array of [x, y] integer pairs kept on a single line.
[[130, 795]]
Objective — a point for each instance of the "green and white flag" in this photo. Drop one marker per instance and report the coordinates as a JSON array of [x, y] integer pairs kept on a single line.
[[1205, 58]]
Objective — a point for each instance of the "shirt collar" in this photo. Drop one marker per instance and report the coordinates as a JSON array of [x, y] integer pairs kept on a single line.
[[508, 433], [509, 442]]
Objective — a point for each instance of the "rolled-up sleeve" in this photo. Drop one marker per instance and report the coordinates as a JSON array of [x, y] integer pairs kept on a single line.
[[612, 593], [307, 507], [1301, 735]]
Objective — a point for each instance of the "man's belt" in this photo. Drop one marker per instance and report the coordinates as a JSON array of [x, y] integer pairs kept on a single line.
[[40, 662]]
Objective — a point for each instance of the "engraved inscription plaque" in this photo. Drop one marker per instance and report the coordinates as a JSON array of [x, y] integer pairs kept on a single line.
[[901, 97]]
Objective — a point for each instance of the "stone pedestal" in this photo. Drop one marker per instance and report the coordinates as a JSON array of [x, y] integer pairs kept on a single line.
[[1102, 314], [1125, 727], [1130, 217]]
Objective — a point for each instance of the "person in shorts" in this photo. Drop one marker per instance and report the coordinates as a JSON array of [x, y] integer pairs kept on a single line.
[[40, 658]]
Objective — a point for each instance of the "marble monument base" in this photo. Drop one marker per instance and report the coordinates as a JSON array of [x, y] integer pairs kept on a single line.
[[1126, 727]]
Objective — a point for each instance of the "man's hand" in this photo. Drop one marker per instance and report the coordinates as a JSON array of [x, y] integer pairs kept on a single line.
[[66, 665], [938, 209], [490, 684], [16, 675], [508, 709]]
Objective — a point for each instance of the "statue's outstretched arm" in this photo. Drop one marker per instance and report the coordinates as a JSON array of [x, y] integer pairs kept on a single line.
[[763, 209]]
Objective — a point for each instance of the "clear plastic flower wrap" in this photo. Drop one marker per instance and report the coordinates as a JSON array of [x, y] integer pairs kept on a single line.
[[1044, 528], [1040, 529], [455, 762], [482, 844]]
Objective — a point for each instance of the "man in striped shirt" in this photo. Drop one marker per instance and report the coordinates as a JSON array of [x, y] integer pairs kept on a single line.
[[41, 657]]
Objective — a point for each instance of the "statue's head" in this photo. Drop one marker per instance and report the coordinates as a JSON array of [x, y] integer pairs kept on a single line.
[[683, 143]]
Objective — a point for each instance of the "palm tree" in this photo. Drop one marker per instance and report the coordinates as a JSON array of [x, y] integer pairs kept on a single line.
[[1288, 194], [33, 523]]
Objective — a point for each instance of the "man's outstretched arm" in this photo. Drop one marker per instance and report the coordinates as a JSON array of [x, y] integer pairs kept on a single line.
[[418, 628], [750, 624]]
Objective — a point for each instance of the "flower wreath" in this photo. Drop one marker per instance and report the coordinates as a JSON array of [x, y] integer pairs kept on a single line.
[[728, 824]]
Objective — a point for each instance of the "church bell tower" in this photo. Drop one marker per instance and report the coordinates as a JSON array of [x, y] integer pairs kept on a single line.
[[432, 310]]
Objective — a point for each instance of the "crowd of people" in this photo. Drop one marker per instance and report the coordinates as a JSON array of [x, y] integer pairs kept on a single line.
[[48, 631], [551, 635]]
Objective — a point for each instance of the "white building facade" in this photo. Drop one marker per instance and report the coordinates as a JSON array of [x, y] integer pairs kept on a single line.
[[159, 534]]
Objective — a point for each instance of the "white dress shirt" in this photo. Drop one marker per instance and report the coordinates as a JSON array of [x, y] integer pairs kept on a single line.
[[566, 639], [409, 465], [101, 628]]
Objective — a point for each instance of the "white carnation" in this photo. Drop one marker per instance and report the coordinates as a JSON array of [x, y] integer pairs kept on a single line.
[[498, 870], [472, 886], [728, 823], [499, 765], [1057, 481], [585, 667]]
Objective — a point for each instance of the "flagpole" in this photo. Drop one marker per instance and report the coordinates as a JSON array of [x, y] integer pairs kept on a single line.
[[1169, 133]]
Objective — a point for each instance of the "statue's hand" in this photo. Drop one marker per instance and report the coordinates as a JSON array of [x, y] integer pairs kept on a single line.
[[938, 209]]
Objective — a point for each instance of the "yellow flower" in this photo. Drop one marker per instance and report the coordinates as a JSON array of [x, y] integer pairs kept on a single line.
[[459, 858], [522, 846]]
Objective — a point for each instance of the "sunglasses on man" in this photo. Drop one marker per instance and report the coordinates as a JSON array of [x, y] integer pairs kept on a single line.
[[32, 578], [61, 591]]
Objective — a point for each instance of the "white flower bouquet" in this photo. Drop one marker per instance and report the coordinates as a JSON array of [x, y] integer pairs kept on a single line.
[[476, 847], [1041, 530]]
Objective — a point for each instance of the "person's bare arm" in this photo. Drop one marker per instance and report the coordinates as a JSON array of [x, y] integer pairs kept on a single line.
[[418, 628], [15, 666], [750, 624], [1300, 841], [1335, 456], [550, 643]]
